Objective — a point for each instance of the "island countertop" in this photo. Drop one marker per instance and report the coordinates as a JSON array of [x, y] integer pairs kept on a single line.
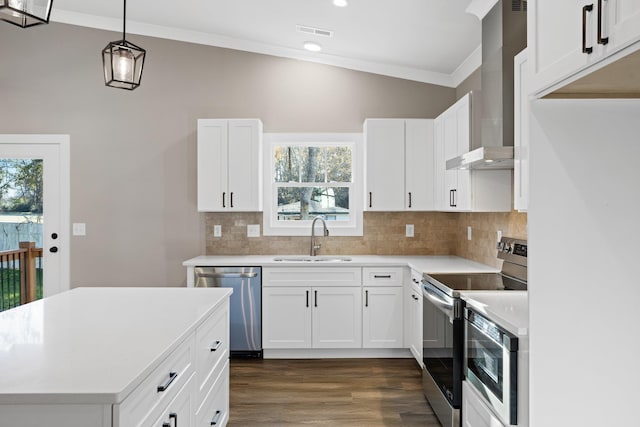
[[94, 345]]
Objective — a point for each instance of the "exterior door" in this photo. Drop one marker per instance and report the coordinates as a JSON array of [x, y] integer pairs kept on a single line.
[[53, 150]]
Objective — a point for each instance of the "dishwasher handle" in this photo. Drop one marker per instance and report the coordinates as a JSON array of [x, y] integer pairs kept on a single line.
[[227, 275]]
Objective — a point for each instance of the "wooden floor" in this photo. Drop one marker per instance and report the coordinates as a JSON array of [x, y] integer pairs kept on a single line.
[[339, 392]]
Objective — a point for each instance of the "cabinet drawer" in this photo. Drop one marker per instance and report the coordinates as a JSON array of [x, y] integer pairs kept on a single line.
[[212, 349], [214, 410], [179, 412], [318, 276], [158, 388], [381, 276]]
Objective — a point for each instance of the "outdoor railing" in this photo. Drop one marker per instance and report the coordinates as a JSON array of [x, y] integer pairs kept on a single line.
[[20, 275]]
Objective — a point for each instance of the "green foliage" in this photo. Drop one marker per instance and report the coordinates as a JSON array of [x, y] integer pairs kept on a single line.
[[10, 287], [21, 184]]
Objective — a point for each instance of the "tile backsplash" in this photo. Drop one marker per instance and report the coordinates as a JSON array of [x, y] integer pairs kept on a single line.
[[436, 233]]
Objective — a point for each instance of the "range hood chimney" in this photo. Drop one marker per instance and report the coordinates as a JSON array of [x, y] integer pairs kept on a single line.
[[504, 34]]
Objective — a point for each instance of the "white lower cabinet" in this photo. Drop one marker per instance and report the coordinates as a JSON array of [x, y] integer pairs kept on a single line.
[[180, 410], [382, 317], [382, 307], [311, 317], [475, 412], [214, 410], [413, 331]]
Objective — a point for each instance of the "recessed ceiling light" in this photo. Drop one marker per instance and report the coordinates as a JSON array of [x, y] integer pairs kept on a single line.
[[340, 3], [312, 46]]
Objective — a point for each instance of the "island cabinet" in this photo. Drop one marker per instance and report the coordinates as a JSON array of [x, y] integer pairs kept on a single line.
[[117, 357], [305, 308], [229, 165], [569, 40]]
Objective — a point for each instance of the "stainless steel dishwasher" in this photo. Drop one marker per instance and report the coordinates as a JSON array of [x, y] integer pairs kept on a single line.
[[245, 305]]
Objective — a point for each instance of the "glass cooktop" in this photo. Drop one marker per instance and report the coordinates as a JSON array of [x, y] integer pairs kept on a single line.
[[450, 283]]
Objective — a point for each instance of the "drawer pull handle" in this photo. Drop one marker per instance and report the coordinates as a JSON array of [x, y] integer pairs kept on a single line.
[[163, 387], [216, 345], [173, 416], [386, 276], [366, 298], [585, 10], [216, 418]]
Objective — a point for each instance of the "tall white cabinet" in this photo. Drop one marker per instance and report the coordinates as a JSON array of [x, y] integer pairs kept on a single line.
[[229, 165], [568, 39], [399, 164]]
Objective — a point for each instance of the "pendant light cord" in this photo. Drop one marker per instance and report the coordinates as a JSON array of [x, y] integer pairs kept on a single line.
[[124, 20]]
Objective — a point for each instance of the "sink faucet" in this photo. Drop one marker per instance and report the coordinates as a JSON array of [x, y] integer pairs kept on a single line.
[[314, 248]]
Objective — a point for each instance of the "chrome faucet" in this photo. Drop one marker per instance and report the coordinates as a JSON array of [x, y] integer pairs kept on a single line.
[[314, 248]]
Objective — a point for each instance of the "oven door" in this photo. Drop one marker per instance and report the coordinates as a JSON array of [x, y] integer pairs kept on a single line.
[[442, 353], [490, 364]]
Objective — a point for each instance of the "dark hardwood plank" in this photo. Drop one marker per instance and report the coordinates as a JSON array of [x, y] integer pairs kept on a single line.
[[339, 392]]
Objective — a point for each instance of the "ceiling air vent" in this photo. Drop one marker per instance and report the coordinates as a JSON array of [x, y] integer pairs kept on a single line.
[[314, 31]]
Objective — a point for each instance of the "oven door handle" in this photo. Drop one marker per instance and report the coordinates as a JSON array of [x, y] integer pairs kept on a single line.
[[437, 300]]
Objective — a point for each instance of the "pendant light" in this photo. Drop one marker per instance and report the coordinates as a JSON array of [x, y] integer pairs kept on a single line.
[[123, 61], [25, 13]]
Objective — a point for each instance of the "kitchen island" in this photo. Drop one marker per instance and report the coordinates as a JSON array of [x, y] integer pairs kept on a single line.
[[116, 357]]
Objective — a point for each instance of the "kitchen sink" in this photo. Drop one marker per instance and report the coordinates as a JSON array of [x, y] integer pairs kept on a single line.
[[313, 259]]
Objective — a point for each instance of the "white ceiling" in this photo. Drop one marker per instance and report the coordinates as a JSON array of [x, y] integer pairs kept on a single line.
[[432, 41]]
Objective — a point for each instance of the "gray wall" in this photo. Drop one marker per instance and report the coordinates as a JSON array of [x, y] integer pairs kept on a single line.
[[473, 82], [133, 174]]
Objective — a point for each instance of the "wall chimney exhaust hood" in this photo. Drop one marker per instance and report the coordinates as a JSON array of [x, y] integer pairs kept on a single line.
[[504, 34]]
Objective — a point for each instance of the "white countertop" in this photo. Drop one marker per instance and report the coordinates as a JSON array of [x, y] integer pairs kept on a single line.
[[94, 345], [509, 309], [423, 264]]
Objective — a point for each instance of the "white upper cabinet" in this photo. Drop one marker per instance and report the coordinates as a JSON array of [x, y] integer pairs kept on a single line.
[[464, 190], [566, 39], [399, 164], [521, 133], [419, 160], [229, 165]]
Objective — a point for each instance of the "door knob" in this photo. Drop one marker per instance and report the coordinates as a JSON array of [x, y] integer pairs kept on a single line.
[[53, 249]]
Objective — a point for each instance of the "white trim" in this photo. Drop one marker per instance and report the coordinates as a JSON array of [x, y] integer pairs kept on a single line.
[[302, 228], [468, 66], [171, 33], [480, 8], [63, 242], [338, 353]]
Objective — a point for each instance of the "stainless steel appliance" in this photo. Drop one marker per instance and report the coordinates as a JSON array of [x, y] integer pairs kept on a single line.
[[443, 333], [245, 305], [491, 364]]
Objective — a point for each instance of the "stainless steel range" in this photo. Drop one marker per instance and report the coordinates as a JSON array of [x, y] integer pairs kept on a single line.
[[443, 334]]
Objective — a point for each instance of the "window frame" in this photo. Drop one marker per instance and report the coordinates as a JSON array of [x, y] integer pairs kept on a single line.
[[270, 224]]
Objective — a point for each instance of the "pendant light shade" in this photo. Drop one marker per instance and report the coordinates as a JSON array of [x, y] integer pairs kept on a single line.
[[25, 13], [123, 61]]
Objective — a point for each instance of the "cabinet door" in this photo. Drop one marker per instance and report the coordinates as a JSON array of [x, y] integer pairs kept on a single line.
[[450, 150], [441, 196], [286, 317], [212, 164], [382, 317], [415, 316], [337, 317], [384, 147], [521, 133], [624, 21], [245, 165], [554, 37], [419, 165]]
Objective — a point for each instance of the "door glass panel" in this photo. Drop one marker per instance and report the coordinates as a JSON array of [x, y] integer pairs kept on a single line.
[[21, 231]]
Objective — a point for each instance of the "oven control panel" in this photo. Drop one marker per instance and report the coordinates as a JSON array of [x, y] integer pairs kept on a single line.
[[509, 248]]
